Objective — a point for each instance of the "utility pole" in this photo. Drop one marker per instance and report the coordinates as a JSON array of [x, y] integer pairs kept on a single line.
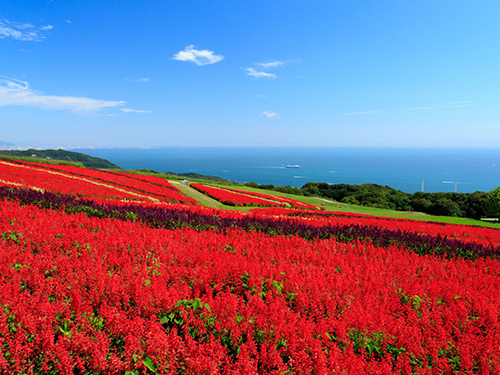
[[455, 183]]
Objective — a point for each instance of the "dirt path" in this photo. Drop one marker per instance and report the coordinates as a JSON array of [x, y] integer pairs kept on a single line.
[[326, 200]]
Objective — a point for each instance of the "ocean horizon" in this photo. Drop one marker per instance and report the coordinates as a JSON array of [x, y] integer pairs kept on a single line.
[[407, 169]]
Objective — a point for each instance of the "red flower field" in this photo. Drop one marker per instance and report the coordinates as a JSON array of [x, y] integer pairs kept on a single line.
[[90, 182], [104, 290]]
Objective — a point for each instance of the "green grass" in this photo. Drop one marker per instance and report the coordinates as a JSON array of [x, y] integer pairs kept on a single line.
[[202, 199], [329, 205]]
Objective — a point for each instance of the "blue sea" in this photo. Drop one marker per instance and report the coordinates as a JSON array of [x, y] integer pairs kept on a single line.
[[407, 169]]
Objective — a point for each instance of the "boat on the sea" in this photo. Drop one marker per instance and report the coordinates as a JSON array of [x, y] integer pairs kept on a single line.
[[292, 166]]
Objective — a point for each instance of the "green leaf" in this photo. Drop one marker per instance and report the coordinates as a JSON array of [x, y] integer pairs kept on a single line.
[[148, 362]]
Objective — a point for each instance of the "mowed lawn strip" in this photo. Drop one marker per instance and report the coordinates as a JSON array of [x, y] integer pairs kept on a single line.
[[196, 195]]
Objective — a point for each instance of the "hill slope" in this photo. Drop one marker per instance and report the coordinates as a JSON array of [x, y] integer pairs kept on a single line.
[[86, 160]]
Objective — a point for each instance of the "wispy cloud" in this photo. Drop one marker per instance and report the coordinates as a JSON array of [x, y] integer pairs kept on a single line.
[[199, 57], [22, 31], [129, 110], [270, 65], [263, 66], [14, 92], [271, 114], [137, 79], [464, 103], [258, 74], [361, 113]]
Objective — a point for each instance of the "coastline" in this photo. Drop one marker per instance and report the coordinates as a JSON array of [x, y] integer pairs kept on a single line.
[[401, 168]]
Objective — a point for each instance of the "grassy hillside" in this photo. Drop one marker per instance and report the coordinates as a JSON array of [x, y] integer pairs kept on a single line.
[[328, 204], [331, 205], [62, 155], [55, 156]]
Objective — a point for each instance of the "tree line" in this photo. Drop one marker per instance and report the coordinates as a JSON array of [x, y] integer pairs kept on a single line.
[[475, 205]]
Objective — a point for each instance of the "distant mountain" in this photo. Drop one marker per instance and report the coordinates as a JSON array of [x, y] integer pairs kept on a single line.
[[63, 155], [2, 143]]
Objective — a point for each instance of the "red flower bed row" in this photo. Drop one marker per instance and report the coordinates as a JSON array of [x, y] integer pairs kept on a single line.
[[158, 188], [179, 206], [83, 295], [234, 199], [291, 202], [466, 233], [58, 182]]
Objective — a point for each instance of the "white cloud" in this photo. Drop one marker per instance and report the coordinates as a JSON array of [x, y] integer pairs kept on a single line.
[[270, 65], [271, 114], [199, 57], [137, 79], [14, 92], [361, 113], [129, 110], [258, 74], [21, 26], [464, 103], [263, 66], [22, 31]]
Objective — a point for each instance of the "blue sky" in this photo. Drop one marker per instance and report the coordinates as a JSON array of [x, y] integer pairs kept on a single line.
[[413, 73]]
